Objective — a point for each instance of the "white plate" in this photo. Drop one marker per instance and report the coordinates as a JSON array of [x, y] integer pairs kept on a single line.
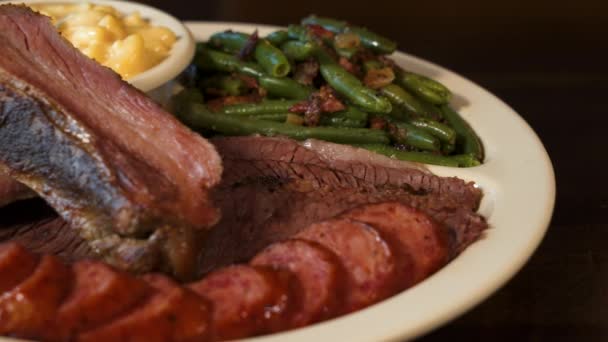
[[519, 192]]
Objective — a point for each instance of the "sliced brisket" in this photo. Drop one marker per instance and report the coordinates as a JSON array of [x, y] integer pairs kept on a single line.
[[129, 177], [274, 187]]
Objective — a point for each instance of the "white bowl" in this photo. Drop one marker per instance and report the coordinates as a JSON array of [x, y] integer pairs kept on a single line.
[[182, 52]]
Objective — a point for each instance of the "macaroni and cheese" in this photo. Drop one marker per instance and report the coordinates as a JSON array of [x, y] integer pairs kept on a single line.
[[128, 44]]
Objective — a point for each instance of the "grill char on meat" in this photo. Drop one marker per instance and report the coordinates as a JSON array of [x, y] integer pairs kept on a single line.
[[129, 177]]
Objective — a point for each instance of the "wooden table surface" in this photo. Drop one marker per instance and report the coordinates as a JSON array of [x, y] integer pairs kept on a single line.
[[548, 60]]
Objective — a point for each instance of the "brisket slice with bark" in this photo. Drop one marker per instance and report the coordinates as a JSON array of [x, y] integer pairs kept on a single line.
[[125, 174], [274, 187]]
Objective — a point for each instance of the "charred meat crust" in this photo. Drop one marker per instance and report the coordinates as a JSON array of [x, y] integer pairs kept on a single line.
[[127, 175]]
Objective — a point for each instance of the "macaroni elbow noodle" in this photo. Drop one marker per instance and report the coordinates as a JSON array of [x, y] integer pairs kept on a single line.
[[128, 44]]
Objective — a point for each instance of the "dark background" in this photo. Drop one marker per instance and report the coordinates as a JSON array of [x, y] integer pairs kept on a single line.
[[548, 60]]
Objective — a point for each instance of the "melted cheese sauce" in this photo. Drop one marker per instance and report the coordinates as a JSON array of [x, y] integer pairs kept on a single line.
[[127, 44]]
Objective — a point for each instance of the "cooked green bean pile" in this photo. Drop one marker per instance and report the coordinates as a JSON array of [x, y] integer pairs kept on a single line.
[[328, 80]]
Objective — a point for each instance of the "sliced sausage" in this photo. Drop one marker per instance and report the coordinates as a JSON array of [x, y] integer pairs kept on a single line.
[[16, 264], [172, 313], [192, 314], [99, 294], [28, 309], [246, 300], [426, 241], [319, 272], [366, 256]]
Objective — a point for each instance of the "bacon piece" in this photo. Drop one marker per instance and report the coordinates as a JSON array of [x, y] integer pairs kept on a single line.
[[322, 101], [306, 72], [249, 47], [319, 31], [350, 66], [378, 78]]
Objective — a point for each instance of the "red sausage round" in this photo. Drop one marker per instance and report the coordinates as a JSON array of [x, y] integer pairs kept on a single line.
[[319, 272], [415, 233], [172, 313], [367, 258], [246, 300], [99, 294]]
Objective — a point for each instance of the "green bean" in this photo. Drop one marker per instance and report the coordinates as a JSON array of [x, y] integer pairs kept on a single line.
[[443, 132], [447, 149], [229, 41], [212, 60], [404, 133], [351, 117], [373, 41], [227, 85], [186, 95], [397, 113], [209, 59], [354, 114], [284, 87], [466, 138], [277, 38], [264, 107], [461, 160], [423, 87], [272, 60], [400, 97], [369, 39], [198, 117], [298, 32], [298, 50], [277, 117], [351, 87], [323, 56]]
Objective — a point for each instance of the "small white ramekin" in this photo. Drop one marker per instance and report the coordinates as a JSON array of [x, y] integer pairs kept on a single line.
[[156, 79]]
